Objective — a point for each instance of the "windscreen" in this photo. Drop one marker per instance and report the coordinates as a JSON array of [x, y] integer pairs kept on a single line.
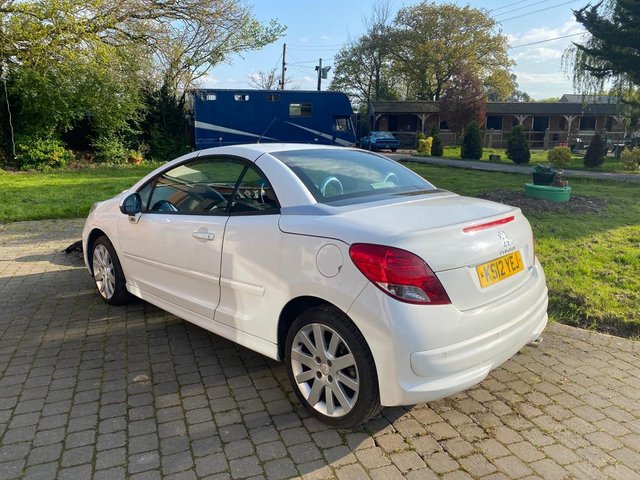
[[334, 175]]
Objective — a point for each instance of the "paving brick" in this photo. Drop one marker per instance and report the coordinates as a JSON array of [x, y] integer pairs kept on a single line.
[[245, 467], [237, 449], [107, 459], [390, 472], [548, 469], [477, 465], [352, 472], [441, 462], [512, 466], [38, 455], [280, 469]]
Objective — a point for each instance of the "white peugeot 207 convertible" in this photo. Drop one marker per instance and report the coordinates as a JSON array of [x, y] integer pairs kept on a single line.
[[373, 286]]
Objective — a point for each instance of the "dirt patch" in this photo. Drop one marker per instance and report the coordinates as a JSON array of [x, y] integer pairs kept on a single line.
[[576, 204]]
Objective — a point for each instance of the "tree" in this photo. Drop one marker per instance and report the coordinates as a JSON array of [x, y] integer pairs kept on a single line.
[[430, 41], [471, 144], [264, 80], [500, 86], [71, 61], [517, 146], [612, 51], [596, 152], [463, 101], [362, 68], [270, 81], [506, 91], [436, 146]]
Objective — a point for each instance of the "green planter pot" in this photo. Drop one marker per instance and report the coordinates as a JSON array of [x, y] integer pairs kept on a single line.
[[552, 194]]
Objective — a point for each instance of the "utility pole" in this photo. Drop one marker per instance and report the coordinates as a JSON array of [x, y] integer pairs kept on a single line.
[[284, 68], [319, 69], [322, 72]]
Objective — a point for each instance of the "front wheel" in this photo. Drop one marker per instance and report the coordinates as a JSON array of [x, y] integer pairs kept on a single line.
[[107, 273], [331, 368]]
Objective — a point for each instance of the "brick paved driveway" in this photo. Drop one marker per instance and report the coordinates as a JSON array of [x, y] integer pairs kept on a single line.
[[91, 391]]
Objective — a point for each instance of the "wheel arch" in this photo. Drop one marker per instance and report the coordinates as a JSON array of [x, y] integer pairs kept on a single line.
[[91, 240]]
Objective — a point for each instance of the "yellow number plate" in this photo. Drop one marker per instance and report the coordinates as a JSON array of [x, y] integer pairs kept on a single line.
[[499, 269]]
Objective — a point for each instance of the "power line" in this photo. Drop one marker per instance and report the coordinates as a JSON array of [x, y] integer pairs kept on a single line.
[[537, 11], [522, 8], [507, 6], [547, 40]]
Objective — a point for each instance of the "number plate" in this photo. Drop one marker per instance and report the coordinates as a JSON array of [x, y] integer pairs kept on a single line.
[[499, 269]]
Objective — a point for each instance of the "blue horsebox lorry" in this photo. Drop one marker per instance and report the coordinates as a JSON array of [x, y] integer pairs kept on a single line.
[[227, 117]]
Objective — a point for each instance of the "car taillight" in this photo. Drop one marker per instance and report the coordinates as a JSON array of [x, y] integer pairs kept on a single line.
[[399, 273]]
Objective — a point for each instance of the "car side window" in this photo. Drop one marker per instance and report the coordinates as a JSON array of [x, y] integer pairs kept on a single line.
[[254, 194], [204, 186]]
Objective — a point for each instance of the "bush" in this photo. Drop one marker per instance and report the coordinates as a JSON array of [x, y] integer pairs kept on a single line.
[[517, 146], [436, 146], [471, 143], [595, 153], [424, 145], [631, 159], [110, 150], [559, 156], [42, 153]]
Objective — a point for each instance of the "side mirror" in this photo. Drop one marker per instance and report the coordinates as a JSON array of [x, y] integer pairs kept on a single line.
[[131, 205]]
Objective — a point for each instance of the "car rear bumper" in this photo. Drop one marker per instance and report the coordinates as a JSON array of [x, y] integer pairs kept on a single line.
[[424, 353]]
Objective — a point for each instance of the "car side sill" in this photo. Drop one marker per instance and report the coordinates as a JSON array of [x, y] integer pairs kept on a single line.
[[252, 342]]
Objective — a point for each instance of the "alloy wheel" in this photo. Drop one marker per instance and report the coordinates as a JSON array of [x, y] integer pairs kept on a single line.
[[325, 370], [103, 271]]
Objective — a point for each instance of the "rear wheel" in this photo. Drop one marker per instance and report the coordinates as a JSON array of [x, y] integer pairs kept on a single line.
[[107, 273], [331, 368]]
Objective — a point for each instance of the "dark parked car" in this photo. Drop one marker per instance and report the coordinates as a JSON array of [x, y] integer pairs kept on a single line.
[[380, 141]]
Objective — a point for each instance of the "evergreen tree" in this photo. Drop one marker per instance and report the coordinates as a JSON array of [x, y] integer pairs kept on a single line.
[[436, 146], [471, 143], [612, 52], [596, 152], [517, 146]]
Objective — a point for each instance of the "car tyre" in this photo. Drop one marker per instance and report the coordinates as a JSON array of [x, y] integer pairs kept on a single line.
[[107, 273], [331, 368]]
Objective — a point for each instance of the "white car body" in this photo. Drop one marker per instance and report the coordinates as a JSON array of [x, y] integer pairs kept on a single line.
[[242, 273]]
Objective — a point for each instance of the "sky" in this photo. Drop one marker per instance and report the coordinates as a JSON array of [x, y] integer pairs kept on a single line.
[[318, 29]]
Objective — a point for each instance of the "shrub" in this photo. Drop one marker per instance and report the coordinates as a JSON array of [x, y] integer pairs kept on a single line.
[[596, 152], [42, 153], [631, 159], [471, 143], [559, 156], [424, 145], [420, 136], [517, 146], [110, 150], [436, 146]]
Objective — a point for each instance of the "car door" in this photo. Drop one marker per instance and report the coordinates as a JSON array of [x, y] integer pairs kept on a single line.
[[251, 262], [172, 252]]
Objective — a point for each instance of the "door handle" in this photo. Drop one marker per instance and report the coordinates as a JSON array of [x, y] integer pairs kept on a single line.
[[204, 235]]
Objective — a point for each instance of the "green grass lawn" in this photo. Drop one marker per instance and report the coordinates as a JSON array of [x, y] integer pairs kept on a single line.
[[61, 194], [592, 261], [611, 164]]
